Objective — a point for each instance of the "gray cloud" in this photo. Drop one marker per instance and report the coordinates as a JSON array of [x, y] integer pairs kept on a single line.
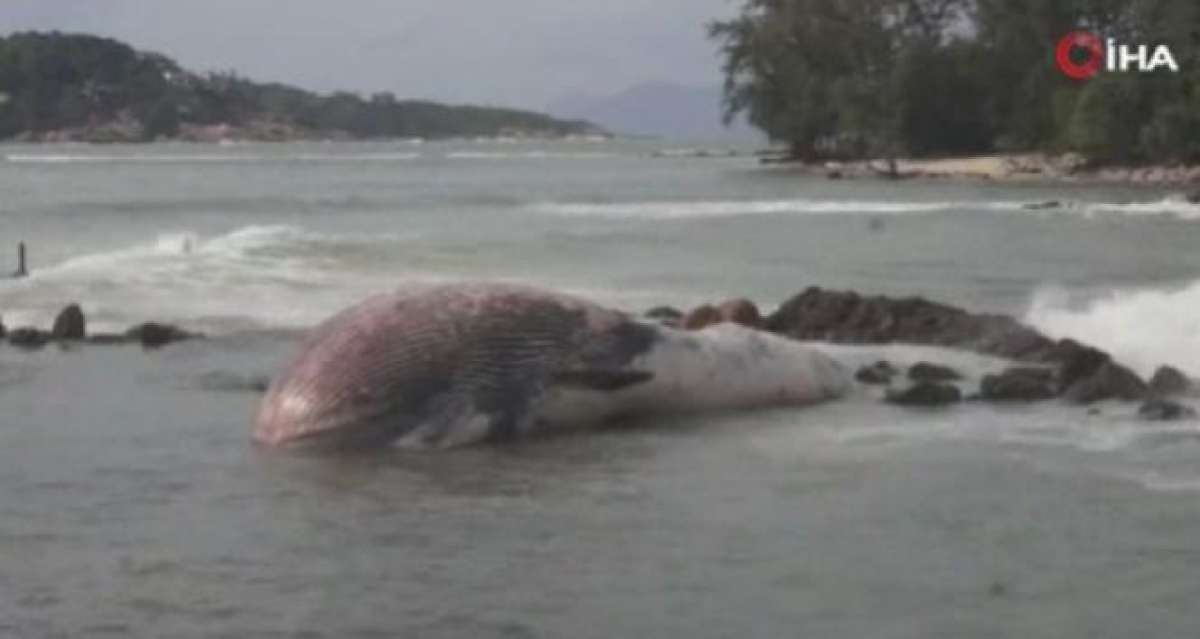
[[512, 52]]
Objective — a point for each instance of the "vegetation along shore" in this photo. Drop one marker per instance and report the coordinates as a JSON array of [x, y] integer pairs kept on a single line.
[[964, 79]]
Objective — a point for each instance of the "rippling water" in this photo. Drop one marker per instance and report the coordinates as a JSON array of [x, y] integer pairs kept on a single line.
[[132, 504]]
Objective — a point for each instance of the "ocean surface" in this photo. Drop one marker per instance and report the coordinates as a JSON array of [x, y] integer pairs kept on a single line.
[[132, 503]]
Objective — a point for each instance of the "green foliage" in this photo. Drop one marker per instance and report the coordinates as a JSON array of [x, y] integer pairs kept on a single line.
[[54, 81], [1104, 124], [926, 77]]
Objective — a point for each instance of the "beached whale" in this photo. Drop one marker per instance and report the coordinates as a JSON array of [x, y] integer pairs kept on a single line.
[[462, 363]]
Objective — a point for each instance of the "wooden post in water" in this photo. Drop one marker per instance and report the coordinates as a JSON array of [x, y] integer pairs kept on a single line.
[[22, 271]]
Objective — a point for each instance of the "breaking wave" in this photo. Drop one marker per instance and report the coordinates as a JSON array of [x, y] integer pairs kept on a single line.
[[1144, 328], [1172, 206], [251, 277], [203, 158], [730, 208]]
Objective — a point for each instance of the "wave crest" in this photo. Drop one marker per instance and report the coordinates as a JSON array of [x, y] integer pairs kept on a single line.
[[1143, 328]]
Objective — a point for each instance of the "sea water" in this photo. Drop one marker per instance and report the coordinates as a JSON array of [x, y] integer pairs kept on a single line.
[[133, 504]]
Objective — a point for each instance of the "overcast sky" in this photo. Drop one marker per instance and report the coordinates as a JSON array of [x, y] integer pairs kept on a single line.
[[511, 52]]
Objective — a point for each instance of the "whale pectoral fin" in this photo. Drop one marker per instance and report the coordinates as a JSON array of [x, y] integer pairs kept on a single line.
[[600, 379]]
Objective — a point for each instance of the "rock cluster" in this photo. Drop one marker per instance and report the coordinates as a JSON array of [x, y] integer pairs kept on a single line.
[[925, 394], [70, 326], [1082, 373], [738, 311], [1050, 368]]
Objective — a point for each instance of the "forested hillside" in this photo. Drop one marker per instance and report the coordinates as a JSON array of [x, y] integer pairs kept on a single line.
[[76, 87]]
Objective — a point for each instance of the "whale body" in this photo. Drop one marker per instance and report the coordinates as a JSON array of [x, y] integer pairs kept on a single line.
[[448, 365]]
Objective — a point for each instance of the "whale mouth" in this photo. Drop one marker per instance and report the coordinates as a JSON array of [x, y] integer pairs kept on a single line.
[[293, 421]]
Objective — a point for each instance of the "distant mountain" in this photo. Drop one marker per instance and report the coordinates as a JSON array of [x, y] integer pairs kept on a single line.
[[65, 87], [656, 109]]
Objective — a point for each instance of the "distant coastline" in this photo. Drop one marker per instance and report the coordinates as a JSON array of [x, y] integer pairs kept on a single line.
[[57, 87], [125, 130]]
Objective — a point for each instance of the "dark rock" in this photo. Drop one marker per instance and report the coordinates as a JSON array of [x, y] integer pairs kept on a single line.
[[702, 317], [1168, 381], [926, 394], [1042, 206], [1076, 362], [834, 174], [1193, 197], [1085, 373], [664, 313], [154, 335], [234, 383], [926, 372], [3, 331], [1165, 410], [28, 338], [1024, 384], [740, 311], [849, 318], [1111, 381], [879, 373], [70, 324]]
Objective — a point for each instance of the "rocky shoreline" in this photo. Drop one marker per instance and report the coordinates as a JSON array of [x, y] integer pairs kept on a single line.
[[1026, 167], [70, 328], [1041, 368]]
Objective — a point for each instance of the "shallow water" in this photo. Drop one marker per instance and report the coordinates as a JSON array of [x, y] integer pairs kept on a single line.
[[132, 503]]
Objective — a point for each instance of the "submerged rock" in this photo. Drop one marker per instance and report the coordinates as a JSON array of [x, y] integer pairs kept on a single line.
[[740, 311], [1023, 384], [3, 330], [1168, 381], [665, 315], [926, 394], [1085, 373], [926, 372], [28, 338], [1042, 206], [1111, 381], [225, 382], [108, 339], [701, 317], [155, 335], [70, 324], [880, 373], [1076, 362], [1165, 410]]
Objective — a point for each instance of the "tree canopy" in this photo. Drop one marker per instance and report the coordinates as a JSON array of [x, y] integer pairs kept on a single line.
[[53, 82], [855, 78]]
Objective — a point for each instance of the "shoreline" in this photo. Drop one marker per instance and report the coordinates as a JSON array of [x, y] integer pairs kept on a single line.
[[1069, 168]]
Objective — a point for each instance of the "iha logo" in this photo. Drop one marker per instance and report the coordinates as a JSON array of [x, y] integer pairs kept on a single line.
[[1080, 55]]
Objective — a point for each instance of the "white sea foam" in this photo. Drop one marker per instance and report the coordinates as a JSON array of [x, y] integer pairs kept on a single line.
[[1144, 328], [255, 276], [527, 155], [1171, 206], [729, 208], [203, 158], [1163, 483], [252, 277]]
